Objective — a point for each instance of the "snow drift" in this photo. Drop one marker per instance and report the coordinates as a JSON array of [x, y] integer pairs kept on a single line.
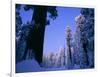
[[28, 66]]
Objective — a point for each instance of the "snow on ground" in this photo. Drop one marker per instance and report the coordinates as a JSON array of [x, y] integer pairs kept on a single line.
[[28, 66], [55, 69], [32, 66]]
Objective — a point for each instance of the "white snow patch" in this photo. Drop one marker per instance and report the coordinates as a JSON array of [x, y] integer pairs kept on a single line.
[[28, 66]]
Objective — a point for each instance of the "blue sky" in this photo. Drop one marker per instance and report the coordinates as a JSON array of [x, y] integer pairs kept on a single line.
[[55, 32]]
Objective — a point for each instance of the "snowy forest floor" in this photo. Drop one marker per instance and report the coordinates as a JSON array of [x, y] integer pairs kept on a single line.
[[32, 66]]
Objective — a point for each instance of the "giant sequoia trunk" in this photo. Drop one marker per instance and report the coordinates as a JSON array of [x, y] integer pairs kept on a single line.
[[36, 34]]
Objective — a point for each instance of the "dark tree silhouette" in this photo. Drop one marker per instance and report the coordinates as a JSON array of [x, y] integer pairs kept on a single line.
[[35, 38]]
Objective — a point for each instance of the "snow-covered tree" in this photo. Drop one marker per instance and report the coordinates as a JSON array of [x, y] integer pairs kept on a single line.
[[84, 38], [18, 19], [45, 61], [88, 31], [69, 52], [57, 60], [21, 42], [18, 32], [51, 59], [62, 57], [81, 41]]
